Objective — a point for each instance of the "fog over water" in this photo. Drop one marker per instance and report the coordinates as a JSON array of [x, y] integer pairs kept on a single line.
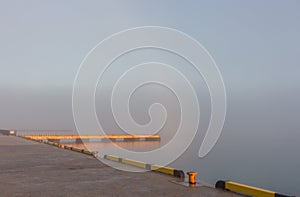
[[255, 45]]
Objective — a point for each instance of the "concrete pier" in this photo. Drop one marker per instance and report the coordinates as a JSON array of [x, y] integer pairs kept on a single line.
[[29, 168]]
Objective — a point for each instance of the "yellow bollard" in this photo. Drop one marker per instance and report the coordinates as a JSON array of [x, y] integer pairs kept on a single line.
[[192, 177]]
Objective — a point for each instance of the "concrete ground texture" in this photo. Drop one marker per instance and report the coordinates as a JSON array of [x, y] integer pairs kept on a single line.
[[29, 168]]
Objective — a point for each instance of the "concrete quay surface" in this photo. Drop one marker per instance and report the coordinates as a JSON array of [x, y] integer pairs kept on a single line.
[[29, 168]]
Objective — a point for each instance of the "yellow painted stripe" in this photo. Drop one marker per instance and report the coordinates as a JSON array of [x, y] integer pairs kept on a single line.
[[87, 152], [162, 169], [134, 163], [76, 149], [112, 157], [249, 190]]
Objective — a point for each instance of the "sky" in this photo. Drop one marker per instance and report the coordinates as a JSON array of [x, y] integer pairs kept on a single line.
[[255, 44]]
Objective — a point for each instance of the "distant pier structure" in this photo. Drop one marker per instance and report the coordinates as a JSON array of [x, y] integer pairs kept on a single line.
[[86, 138]]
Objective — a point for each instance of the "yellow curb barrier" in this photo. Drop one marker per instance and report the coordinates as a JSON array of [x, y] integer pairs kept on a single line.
[[68, 147], [152, 167], [162, 169], [111, 157], [134, 163], [58, 145], [76, 149], [32, 139], [247, 190], [87, 152], [50, 143]]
